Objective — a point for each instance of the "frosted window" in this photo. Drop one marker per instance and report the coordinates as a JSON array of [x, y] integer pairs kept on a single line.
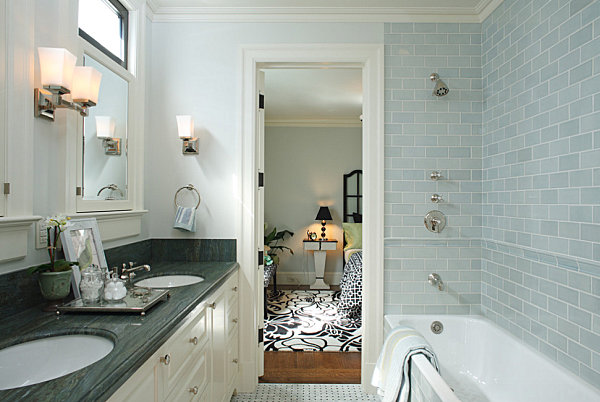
[[103, 23]]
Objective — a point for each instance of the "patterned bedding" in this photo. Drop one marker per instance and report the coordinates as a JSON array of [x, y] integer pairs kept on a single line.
[[350, 304]]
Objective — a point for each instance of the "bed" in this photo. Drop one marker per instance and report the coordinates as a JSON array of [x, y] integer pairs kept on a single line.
[[350, 302]]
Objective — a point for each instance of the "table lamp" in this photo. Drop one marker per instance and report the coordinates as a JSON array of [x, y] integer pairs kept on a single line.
[[323, 215]]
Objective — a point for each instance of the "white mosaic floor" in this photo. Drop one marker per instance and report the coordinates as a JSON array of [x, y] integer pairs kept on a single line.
[[306, 393]]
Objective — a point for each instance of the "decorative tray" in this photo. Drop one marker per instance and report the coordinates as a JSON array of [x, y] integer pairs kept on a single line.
[[138, 300]]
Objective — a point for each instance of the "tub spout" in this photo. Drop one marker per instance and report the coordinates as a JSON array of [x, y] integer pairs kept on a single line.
[[436, 280]]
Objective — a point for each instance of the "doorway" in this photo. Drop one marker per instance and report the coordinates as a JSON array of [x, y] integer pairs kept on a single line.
[[312, 143], [368, 58]]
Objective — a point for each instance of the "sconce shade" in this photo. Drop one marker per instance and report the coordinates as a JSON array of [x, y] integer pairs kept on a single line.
[[56, 67], [86, 84], [323, 214], [105, 127], [185, 126]]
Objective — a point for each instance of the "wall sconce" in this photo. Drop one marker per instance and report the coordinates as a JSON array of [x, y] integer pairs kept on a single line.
[[185, 128], [105, 129], [59, 77]]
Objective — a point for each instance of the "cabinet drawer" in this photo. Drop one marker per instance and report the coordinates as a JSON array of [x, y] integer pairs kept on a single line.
[[185, 346], [194, 383]]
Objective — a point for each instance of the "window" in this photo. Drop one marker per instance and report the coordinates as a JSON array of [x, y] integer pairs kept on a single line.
[[104, 24]]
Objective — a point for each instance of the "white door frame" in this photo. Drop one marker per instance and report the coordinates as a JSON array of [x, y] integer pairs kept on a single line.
[[370, 59]]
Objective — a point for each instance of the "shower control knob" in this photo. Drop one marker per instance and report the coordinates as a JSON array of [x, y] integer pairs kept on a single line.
[[436, 198], [435, 221], [435, 175]]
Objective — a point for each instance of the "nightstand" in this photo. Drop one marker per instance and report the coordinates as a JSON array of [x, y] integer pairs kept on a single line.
[[320, 249]]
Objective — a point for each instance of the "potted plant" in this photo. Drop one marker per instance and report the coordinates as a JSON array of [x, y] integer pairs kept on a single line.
[[54, 277], [272, 246]]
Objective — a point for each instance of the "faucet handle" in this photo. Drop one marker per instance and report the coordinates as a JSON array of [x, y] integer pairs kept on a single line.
[[132, 264]]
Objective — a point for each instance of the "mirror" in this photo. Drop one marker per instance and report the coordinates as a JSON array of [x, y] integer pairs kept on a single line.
[[105, 139]]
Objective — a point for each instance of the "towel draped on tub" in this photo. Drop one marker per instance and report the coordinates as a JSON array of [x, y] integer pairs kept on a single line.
[[391, 374]]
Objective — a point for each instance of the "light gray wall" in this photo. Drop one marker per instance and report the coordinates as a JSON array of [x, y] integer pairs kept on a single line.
[[304, 168], [196, 71], [541, 178]]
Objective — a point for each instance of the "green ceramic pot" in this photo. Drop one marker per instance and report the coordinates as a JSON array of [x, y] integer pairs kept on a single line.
[[55, 285]]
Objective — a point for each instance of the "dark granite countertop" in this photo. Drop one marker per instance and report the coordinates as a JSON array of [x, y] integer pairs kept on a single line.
[[136, 338]]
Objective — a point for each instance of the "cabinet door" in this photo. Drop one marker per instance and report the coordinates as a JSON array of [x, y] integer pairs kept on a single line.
[[219, 343], [184, 347], [142, 386]]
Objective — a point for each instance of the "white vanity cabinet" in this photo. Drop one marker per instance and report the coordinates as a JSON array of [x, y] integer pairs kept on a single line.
[[199, 361]]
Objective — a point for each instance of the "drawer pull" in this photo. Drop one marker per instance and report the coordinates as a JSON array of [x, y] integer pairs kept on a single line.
[[166, 360], [235, 320], [194, 340], [235, 289], [194, 390], [213, 305], [235, 361]]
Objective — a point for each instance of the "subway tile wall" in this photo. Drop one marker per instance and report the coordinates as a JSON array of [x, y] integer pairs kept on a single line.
[[541, 177], [425, 133]]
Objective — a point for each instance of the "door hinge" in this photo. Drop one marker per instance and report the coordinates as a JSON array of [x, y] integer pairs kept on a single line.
[[6, 188], [78, 190], [261, 258], [261, 335], [261, 179], [261, 101]]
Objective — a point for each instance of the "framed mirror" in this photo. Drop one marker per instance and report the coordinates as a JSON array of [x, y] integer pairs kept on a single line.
[[105, 138], [104, 174]]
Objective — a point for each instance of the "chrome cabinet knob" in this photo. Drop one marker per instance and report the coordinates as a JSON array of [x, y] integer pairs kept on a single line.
[[235, 289], [194, 390], [235, 320], [235, 361], [212, 305], [166, 359], [194, 340]]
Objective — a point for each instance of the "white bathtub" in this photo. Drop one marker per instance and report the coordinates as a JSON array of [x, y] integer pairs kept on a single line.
[[482, 362]]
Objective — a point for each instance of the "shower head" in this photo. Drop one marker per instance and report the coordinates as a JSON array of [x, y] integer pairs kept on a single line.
[[441, 88]]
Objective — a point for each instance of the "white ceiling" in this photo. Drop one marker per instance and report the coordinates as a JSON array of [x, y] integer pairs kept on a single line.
[[313, 97], [323, 10]]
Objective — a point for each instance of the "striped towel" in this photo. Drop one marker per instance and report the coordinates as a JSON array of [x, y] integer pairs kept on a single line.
[[391, 374]]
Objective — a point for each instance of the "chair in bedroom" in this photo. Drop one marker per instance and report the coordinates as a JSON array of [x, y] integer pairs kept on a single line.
[[270, 273]]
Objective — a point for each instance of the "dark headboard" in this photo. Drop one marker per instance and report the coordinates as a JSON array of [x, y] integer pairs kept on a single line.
[[353, 196]]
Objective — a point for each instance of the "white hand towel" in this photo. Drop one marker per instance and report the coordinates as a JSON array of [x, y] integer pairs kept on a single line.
[[185, 219], [391, 374]]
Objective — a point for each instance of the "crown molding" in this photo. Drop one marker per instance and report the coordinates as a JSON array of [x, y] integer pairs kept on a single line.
[[486, 7], [321, 14], [313, 122]]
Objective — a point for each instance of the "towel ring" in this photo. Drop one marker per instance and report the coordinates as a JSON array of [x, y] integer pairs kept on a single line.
[[189, 187]]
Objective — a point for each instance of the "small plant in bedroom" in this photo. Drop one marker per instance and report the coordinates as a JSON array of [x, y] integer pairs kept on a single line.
[[272, 246]]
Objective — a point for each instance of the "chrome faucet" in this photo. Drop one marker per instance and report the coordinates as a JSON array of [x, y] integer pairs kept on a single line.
[[436, 280], [129, 273]]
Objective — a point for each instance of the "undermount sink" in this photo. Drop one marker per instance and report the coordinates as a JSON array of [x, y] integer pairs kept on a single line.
[[45, 359], [169, 281]]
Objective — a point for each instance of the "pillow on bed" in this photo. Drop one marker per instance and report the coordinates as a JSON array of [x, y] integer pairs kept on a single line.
[[348, 253], [352, 235]]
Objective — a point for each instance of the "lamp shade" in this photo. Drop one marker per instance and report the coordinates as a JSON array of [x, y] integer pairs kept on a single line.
[[105, 127], [323, 214], [86, 84], [56, 67], [185, 126]]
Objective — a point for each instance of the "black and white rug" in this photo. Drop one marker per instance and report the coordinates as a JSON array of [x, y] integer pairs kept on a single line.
[[308, 320]]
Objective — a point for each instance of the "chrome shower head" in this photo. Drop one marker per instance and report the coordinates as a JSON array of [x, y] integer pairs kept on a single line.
[[441, 88]]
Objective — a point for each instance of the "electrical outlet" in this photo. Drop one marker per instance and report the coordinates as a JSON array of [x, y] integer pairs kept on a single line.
[[41, 234]]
